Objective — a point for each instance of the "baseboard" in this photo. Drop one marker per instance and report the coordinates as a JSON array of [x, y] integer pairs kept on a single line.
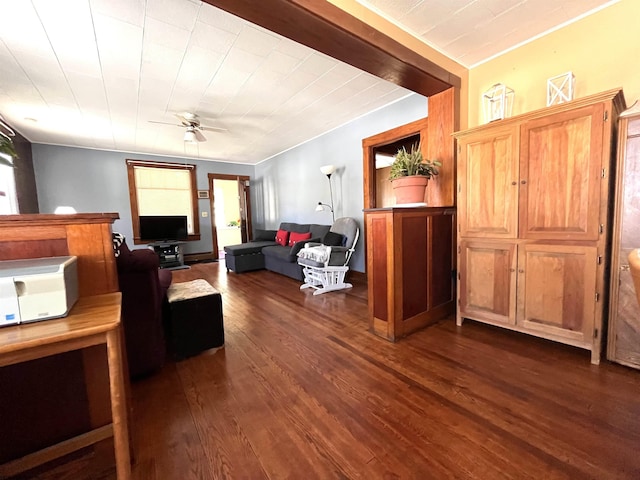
[[359, 277], [199, 257]]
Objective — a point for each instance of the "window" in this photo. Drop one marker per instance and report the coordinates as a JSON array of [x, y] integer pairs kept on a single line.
[[163, 189], [8, 198]]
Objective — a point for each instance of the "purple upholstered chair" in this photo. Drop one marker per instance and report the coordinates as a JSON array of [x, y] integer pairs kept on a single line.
[[143, 285]]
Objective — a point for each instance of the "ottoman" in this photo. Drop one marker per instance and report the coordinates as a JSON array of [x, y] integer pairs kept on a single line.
[[245, 257], [195, 321]]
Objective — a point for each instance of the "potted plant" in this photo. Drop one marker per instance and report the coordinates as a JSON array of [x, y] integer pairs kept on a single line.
[[7, 148], [410, 174]]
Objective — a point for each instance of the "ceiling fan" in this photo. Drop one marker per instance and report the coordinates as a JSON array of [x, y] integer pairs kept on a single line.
[[193, 129]]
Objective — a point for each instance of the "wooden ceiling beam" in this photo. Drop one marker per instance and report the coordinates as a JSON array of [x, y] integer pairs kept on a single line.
[[328, 29]]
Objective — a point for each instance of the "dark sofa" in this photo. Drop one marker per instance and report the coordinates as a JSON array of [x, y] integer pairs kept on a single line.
[[144, 286], [265, 252]]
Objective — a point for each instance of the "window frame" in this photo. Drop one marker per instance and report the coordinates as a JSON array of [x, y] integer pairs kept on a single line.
[[133, 195]]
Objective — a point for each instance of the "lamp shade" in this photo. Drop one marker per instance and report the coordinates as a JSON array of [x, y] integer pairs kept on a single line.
[[190, 136], [64, 210], [319, 208], [328, 169]]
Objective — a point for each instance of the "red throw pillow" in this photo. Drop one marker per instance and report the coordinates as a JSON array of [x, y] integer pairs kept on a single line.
[[282, 237], [295, 237]]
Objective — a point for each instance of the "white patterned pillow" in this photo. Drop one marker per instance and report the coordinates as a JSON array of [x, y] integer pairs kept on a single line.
[[118, 240]]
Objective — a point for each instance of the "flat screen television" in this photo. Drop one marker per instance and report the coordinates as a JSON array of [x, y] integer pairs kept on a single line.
[[163, 228]]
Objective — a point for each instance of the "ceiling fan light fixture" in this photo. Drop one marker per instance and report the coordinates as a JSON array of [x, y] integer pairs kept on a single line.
[[190, 136]]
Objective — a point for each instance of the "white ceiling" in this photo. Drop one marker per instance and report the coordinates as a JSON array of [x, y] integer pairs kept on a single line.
[[472, 31], [94, 73]]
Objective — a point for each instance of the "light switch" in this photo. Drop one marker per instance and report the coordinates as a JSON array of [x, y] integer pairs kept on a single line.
[[205, 214]]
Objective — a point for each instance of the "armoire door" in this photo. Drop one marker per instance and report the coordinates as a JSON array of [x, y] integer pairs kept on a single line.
[[560, 175], [488, 184], [487, 281], [557, 291]]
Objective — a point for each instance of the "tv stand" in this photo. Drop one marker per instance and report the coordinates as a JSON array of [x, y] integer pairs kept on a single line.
[[170, 254]]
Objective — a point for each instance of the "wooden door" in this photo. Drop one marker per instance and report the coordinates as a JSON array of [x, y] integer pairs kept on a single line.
[[561, 162], [487, 281], [488, 184], [557, 291], [624, 316]]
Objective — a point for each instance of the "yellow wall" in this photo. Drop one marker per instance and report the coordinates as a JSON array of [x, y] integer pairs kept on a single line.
[[602, 51]]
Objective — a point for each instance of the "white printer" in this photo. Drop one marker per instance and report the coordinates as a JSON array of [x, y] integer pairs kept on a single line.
[[37, 288]]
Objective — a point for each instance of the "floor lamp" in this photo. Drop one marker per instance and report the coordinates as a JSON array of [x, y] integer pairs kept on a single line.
[[328, 171]]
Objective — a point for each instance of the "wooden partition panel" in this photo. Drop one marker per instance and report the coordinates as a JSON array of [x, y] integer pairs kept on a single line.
[[67, 384], [410, 266]]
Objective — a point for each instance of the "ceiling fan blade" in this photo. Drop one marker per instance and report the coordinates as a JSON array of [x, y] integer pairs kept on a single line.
[[166, 123], [213, 129], [199, 136]]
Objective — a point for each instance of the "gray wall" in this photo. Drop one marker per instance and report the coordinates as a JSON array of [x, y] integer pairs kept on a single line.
[[288, 186], [96, 181]]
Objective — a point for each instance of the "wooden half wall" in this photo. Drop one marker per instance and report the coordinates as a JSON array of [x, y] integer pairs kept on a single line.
[[51, 399]]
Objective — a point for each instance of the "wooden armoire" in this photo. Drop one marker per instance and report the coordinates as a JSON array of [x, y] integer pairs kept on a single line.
[[534, 204]]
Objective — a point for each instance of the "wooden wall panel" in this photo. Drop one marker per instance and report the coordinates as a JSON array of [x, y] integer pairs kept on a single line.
[[415, 265], [441, 146], [378, 251], [95, 264], [441, 291], [33, 249]]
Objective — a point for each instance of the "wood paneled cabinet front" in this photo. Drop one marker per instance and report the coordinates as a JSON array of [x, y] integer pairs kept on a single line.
[[556, 296], [488, 184], [534, 205], [546, 290], [563, 175], [488, 281]]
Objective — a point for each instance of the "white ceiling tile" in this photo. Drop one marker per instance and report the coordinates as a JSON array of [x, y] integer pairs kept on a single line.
[[160, 62], [281, 63], [119, 47], [22, 31], [212, 38], [88, 91], [251, 39], [317, 64], [220, 19], [129, 11], [294, 49], [157, 32], [179, 13]]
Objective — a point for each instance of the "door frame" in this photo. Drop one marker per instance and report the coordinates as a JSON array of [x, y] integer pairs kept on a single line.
[[244, 196]]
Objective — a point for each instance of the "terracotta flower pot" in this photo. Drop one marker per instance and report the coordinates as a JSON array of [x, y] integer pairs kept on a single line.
[[410, 189]]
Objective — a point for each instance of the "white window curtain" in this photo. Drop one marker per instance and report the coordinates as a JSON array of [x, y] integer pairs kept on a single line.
[[164, 191]]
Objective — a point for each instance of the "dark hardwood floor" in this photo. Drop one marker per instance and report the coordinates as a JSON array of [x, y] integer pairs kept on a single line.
[[302, 390]]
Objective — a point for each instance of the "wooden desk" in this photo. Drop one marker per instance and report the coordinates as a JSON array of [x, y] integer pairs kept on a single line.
[[94, 320]]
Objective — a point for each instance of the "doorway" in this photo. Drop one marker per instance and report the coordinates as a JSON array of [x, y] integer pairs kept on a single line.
[[230, 211]]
